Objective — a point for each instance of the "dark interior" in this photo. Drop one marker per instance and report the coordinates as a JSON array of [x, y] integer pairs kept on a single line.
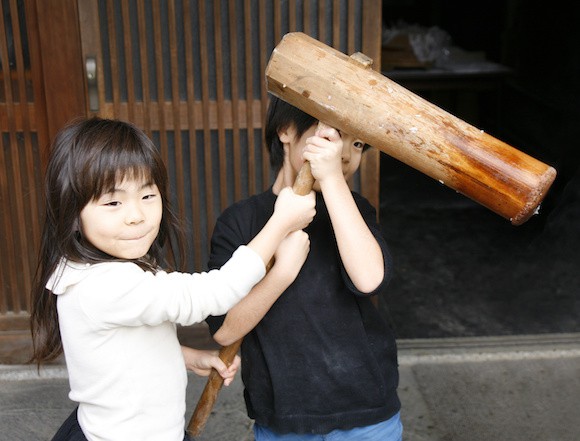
[[461, 270]]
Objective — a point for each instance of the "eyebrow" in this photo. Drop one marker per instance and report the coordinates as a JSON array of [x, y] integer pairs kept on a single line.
[[120, 190]]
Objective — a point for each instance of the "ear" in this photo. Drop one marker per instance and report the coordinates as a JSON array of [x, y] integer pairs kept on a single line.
[[286, 134]]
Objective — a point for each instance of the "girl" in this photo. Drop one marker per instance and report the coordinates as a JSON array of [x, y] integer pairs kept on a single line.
[[100, 293]]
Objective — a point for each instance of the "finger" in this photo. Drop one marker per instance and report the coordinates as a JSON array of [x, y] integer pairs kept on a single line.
[[322, 126], [219, 366], [236, 363], [325, 131]]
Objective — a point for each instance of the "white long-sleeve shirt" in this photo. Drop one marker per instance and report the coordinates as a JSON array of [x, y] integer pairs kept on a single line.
[[117, 323]]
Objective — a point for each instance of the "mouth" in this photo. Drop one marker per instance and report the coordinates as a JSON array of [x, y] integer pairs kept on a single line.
[[135, 238]]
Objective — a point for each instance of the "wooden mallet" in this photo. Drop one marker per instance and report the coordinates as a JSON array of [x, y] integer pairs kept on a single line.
[[345, 93]]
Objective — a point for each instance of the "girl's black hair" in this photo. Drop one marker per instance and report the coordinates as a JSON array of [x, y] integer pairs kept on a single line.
[[88, 158], [280, 116]]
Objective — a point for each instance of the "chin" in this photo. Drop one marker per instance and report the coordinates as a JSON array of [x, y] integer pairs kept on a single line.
[[131, 255]]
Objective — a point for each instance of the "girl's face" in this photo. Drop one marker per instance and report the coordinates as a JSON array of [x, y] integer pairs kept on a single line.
[[124, 222]]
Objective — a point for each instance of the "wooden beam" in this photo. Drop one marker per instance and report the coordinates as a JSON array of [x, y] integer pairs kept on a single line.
[[62, 63]]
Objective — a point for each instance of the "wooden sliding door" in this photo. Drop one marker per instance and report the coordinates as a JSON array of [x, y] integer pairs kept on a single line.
[[190, 73]]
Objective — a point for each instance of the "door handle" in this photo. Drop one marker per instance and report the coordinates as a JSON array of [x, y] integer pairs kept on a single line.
[[93, 88]]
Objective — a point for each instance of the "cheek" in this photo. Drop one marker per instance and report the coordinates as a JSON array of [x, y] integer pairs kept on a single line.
[[294, 156], [92, 230], [297, 159], [353, 165], [85, 222], [156, 216], [94, 222], [298, 145], [158, 212]]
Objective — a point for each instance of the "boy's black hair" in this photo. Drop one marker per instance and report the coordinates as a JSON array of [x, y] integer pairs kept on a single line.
[[280, 116]]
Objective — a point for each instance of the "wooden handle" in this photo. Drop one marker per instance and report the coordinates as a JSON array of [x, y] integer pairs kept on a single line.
[[211, 390], [304, 180], [302, 186], [345, 93]]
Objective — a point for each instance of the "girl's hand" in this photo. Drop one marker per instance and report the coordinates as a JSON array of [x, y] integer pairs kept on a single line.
[[324, 151], [291, 254], [201, 362], [294, 210]]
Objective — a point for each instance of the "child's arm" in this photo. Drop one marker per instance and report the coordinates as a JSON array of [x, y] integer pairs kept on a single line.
[[291, 213], [135, 297], [243, 317], [360, 253], [202, 361]]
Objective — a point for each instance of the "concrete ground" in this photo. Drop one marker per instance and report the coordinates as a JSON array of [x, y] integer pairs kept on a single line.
[[519, 388]]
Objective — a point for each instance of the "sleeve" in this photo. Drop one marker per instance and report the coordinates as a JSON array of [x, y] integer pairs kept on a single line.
[[129, 296], [369, 215]]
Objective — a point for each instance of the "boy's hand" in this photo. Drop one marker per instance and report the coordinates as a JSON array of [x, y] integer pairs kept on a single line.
[[295, 210], [201, 362], [324, 151]]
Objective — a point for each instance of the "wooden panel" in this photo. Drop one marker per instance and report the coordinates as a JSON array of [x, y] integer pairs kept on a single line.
[[191, 112], [62, 68], [19, 164], [37, 55], [370, 166]]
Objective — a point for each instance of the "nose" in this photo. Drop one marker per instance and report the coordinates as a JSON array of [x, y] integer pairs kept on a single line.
[[134, 215], [346, 152]]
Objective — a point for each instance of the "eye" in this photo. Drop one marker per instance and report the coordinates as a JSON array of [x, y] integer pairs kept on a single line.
[[149, 196], [112, 203], [359, 144]]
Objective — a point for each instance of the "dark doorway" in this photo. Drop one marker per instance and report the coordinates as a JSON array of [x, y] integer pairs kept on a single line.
[[460, 269]]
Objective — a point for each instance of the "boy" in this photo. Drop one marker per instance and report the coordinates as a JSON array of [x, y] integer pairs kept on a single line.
[[319, 358]]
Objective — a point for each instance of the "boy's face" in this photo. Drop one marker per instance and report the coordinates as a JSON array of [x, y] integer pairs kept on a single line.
[[352, 149]]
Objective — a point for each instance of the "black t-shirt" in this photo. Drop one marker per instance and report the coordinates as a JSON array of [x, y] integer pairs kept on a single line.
[[322, 358]]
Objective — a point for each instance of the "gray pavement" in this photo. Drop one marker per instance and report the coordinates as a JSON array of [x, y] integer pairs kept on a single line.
[[522, 388]]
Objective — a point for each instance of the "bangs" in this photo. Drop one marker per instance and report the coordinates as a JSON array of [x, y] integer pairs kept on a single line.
[[112, 177], [124, 153]]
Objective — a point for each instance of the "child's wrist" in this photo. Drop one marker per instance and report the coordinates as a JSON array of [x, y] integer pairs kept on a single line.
[[281, 221], [331, 180]]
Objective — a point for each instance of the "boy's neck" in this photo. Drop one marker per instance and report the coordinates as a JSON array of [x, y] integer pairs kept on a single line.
[[284, 179]]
